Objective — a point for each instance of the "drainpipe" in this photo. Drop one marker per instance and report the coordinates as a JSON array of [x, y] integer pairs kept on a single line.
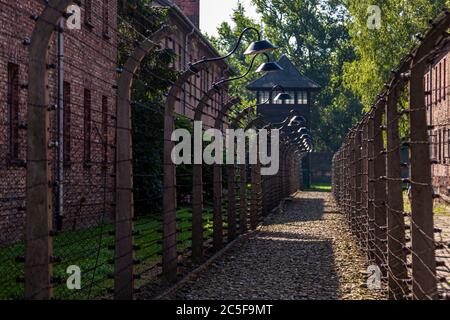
[[60, 127]]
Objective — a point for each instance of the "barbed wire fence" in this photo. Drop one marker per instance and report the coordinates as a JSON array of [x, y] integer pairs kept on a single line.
[[85, 196], [370, 187]]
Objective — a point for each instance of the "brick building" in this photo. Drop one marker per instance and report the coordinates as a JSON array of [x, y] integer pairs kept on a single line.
[[190, 45], [438, 110], [86, 90], [86, 84]]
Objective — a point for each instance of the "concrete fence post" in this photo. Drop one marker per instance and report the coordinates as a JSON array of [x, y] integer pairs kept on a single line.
[[397, 275], [39, 202], [124, 271]]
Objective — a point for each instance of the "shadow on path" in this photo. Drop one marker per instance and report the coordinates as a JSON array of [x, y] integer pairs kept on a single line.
[[291, 258]]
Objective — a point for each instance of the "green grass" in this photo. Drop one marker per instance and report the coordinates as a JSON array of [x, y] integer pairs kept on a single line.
[[438, 209], [323, 187], [91, 250]]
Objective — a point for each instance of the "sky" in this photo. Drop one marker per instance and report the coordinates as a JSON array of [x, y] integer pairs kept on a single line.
[[214, 12]]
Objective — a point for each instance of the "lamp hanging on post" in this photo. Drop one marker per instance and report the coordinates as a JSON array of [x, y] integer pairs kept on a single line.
[[265, 67], [255, 48]]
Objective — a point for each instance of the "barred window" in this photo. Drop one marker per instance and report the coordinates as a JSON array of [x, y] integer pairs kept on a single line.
[[88, 13], [440, 82], [302, 97], [13, 109], [106, 19], [448, 144], [435, 84], [87, 126], [445, 79], [293, 100], [180, 57], [435, 152], [67, 122], [444, 133], [265, 96], [105, 128]]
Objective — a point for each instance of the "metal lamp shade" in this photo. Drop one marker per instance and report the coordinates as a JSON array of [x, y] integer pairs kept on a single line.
[[258, 47], [283, 96]]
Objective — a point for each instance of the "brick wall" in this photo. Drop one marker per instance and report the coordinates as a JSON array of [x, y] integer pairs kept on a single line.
[[189, 46], [90, 62], [438, 109]]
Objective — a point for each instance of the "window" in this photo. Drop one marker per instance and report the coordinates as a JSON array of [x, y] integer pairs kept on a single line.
[[87, 126], [191, 81], [444, 132], [207, 80], [440, 82], [265, 95], [180, 57], [105, 128], [291, 101], [170, 46], [88, 13], [445, 79], [448, 144], [435, 85], [105, 19], [440, 145], [274, 95], [13, 109], [302, 97], [435, 153], [66, 121]]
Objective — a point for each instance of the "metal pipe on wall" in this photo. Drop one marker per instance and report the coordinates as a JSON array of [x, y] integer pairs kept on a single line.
[[60, 125]]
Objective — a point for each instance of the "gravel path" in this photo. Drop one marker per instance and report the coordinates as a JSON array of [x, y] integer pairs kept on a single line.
[[306, 252]]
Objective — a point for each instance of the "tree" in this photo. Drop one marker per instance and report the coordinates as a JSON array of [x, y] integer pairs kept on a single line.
[[378, 51]]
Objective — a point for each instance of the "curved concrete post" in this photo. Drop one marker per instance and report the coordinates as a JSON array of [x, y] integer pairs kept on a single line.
[[123, 276], [242, 179], [39, 216], [169, 180], [197, 188], [422, 227], [255, 173], [217, 178], [397, 277]]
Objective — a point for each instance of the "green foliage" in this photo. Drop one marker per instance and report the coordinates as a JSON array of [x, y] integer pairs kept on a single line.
[[378, 51], [313, 35], [329, 41], [138, 21]]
